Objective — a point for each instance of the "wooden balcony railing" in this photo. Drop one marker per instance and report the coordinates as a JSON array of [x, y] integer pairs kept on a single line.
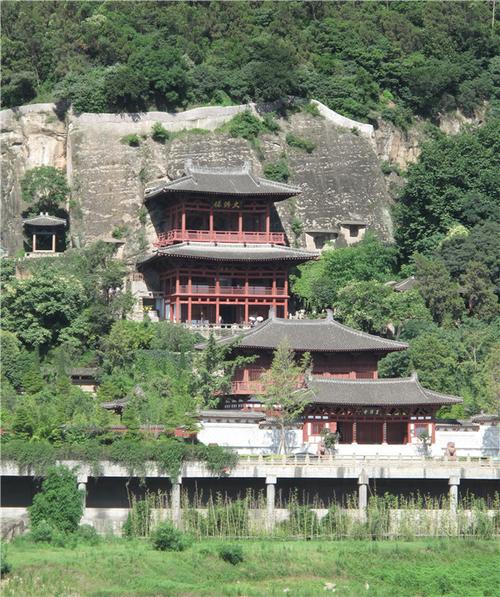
[[230, 290], [246, 387], [226, 236], [253, 384]]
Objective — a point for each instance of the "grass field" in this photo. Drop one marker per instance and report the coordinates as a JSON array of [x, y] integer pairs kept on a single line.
[[131, 567]]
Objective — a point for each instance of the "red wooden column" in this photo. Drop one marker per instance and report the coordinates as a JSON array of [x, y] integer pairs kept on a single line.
[[211, 221], [240, 222], [246, 306], [384, 432], [178, 299], [408, 438], [183, 218], [217, 295], [354, 432], [268, 220]]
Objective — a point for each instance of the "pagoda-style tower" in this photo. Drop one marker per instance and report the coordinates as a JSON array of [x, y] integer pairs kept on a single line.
[[220, 256]]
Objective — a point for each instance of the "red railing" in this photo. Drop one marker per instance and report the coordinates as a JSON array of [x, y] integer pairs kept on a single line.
[[226, 236], [253, 385], [231, 290], [246, 387]]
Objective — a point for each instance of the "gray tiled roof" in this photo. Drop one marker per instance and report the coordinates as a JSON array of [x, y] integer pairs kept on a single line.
[[44, 220], [375, 392], [80, 371], [406, 284], [224, 181], [236, 252], [249, 415], [314, 335]]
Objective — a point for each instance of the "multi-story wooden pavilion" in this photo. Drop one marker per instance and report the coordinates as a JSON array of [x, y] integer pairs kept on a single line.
[[345, 394], [220, 255]]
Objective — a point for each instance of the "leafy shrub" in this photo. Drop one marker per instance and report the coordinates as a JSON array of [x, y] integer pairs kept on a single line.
[[159, 133], [311, 109], [42, 532], [45, 188], [133, 140], [62, 539], [270, 122], [359, 530], [119, 231], [229, 518], [233, 554], [138, 521], [5, 566], [302, 521], [167, 538], [335, 522], [482, 527], [245, 125], [59, 503], [300, 143], [88, 534], [277, 171]]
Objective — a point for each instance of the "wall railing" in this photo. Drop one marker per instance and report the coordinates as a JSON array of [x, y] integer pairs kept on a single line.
[[230, 290], [221, 236]]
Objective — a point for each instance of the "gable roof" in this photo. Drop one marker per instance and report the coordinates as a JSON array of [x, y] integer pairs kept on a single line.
[[326, 335], [375, 392], [223, 181], [43, 220], [233, 252]]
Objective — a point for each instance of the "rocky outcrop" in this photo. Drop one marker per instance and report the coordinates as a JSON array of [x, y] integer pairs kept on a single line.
[[30, 136], [339, 178]]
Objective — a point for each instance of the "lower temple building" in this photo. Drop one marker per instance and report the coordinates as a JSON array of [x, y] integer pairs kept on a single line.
[[346, 396]]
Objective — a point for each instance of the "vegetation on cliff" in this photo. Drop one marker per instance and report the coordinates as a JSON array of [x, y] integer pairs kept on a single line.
[[364, 60]]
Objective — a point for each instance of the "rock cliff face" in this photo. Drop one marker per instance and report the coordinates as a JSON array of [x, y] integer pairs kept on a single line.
[[340, 178]]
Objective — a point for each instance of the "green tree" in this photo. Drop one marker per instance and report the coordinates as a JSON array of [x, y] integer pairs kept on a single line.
[[451, 171], [440, 293], [44, 189], [163, 68], [320, 281], [125, 338], [59, 503], [38, 308], [478, 292], [480, 245], [213, 370], [284, 395], [376, 308]]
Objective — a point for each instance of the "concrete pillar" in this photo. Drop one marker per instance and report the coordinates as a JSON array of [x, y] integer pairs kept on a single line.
[[363, 495], [175, 498], [454, 482], [270, 499], [82, 486]]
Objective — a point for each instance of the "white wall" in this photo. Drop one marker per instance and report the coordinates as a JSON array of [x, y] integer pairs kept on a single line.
[[248, 438]]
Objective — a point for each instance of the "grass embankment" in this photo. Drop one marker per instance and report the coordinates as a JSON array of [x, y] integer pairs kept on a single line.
[[119, 567]]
